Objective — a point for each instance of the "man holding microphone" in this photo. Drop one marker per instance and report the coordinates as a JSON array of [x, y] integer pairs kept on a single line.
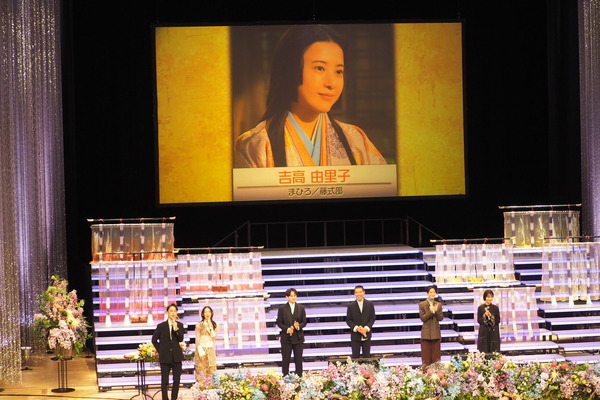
[[166, 339]]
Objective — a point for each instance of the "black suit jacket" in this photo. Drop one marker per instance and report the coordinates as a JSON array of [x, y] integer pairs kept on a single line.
[[354, 317], [285, 319], [168, 349]]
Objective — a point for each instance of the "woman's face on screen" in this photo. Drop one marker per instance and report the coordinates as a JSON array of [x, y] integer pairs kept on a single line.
[[322, 78]]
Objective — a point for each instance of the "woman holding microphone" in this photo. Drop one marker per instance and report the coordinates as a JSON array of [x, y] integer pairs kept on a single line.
[[205, 358]]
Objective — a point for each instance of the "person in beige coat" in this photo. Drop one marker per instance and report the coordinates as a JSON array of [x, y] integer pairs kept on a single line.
[[205, 357], [430, 312]]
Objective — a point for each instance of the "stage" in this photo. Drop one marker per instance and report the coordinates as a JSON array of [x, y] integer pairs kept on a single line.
[[395, 278], [43, 377]]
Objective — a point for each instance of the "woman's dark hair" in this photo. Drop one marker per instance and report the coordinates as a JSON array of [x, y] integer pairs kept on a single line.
[[286, 76], [485, 294], [211, 316]]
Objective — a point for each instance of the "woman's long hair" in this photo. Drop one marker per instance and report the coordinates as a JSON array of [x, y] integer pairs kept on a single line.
[[214, 324], [286, 76]]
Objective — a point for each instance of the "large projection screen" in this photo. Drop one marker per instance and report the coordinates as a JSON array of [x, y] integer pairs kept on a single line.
[[402, 88]]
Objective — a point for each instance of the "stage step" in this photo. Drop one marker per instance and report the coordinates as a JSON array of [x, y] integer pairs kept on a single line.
[[579, 308], [361, 277], [588, 347], [348, 288], [524, 347], [575, 335], [340, 265], [591, 322]]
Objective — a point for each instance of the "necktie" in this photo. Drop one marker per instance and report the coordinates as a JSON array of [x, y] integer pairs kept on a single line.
[[171, 332]]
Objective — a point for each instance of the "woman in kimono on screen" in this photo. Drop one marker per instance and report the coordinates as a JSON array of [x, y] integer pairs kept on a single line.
[[307, 79]]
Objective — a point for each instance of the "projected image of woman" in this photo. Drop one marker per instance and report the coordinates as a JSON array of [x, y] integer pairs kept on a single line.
[[307, 79]]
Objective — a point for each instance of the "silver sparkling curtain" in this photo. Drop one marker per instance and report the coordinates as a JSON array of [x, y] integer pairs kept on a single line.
[[32, 200], [589, 73]]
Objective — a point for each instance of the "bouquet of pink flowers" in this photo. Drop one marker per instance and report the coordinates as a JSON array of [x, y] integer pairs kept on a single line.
[[60, 320]]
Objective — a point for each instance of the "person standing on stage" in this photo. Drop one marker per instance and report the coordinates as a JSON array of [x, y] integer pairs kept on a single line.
[[430, 312], [205, 357], [360, 317], [166, 339], [488, 317], [291, 319]]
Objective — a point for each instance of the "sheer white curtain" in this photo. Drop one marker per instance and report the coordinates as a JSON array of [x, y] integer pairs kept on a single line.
[[32, 200], [220, 272], [589, 73], [570, 272], [534, 228], [232, 285], [459, 263]]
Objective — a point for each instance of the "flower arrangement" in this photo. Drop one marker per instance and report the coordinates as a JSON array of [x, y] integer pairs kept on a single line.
[[477, 376], [147, 352], [60, 320], [188, 352], [244, 386]]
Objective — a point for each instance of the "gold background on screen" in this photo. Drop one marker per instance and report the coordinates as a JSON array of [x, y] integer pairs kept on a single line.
[[429, 115], [194, 114]]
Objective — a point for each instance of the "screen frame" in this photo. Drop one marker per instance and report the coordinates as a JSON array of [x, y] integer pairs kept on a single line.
[[464, 82]]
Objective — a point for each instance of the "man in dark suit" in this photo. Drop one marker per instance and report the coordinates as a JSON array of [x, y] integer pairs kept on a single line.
[[291, 319], [166, 339], [360, 317]]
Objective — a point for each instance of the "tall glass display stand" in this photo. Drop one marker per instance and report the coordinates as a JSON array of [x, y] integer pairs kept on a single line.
[[534, 226]]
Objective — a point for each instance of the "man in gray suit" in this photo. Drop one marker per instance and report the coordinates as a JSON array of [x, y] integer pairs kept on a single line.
[[430, 312], [360, 317]]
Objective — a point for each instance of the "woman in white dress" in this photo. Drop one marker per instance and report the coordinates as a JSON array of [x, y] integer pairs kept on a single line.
[[205, 357]]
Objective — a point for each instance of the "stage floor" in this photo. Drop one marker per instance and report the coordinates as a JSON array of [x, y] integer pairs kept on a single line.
[[43, 377]]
